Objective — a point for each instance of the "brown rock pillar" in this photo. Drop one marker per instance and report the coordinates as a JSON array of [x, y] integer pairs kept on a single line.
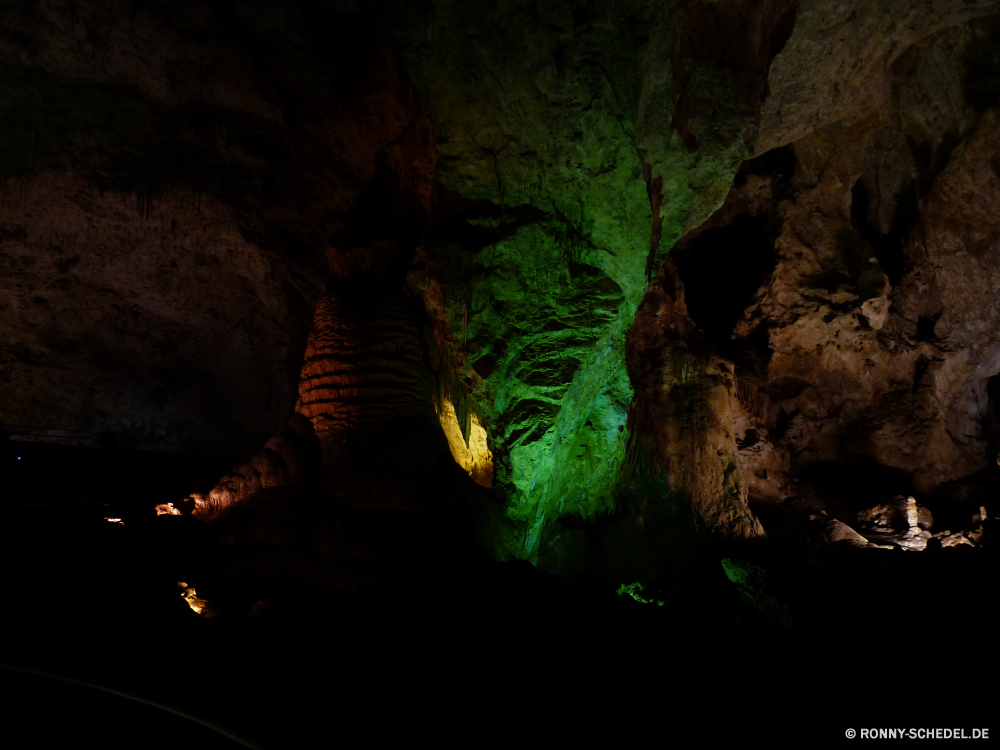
[[365, 389], [687, 401]]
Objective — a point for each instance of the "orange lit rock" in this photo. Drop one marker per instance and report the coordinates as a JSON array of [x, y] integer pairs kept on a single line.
[[363, 366], [196, 603], [364, 386], [291, 457]]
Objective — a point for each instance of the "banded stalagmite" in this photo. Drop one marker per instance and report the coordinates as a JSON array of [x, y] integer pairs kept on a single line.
[[364, 384]]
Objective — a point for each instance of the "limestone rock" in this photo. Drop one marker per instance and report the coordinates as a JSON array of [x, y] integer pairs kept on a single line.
[[836, 66], [689, 406], [956, 539], [290, 458], [170, 183], [866, 249], [178, 331], [838, 531], [473, 456], [897, 516], [884, 517]]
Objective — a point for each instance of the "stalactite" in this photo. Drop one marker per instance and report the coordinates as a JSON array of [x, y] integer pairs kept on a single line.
[[750, 393]]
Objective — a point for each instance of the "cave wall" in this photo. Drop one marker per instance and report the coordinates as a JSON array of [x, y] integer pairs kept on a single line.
[[170, 331], [182, 181], [577, 141], [836, 66], [854, 361], [173, 174]]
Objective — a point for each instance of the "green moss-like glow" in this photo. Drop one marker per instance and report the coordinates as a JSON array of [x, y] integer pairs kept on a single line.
[[559, 393], [695, 182], [546, 117], [635, 590]]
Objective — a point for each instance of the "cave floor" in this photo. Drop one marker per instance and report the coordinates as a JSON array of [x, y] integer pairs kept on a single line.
[[875, 638]]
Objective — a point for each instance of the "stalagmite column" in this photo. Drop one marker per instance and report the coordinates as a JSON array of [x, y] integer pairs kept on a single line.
[[364, 383], [363, 368], [916, 538], [911, 513], [364, 399]]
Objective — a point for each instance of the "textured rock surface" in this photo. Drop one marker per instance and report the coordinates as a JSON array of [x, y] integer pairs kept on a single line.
[[293, 457], [526, 197], [836, 65], [550, 220], [173, 175], [862, 337], [170, 330], [912, 388], [363, 367], [577, 142], [820, 339], [688, 410]]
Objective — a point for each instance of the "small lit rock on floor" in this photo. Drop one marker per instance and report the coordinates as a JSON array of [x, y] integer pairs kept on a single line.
[[197, 604], [901, 522]]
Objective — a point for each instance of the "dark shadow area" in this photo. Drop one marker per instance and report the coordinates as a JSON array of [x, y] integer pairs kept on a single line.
[[47, 712], [380, 213], [782, 421], [778, 162], [857, 484], [888, 248], [954, 503], [721, 270], [751, 354], [38, 473], [991, 418], [448, 653], [475, 225], [781, 522], [929, 159], [926, 327], [981, 61], [786, 388], [919, 371]]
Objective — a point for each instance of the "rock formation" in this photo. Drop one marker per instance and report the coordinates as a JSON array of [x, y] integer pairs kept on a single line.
[[330, 229], [858, 306], [172, 177]]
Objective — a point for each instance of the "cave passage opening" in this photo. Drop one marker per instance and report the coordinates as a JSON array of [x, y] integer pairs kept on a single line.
[[888, 247], [722, 269]]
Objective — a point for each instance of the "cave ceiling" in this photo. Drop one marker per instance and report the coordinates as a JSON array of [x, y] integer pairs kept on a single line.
[[659, 253]]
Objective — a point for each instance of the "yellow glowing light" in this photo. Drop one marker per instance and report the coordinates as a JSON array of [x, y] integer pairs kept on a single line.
[[475, 457], [167, 509], [197, 604], [114, 520]]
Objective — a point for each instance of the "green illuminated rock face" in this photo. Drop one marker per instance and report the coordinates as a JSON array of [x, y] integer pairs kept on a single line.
[[557, 145], [558, 395]]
